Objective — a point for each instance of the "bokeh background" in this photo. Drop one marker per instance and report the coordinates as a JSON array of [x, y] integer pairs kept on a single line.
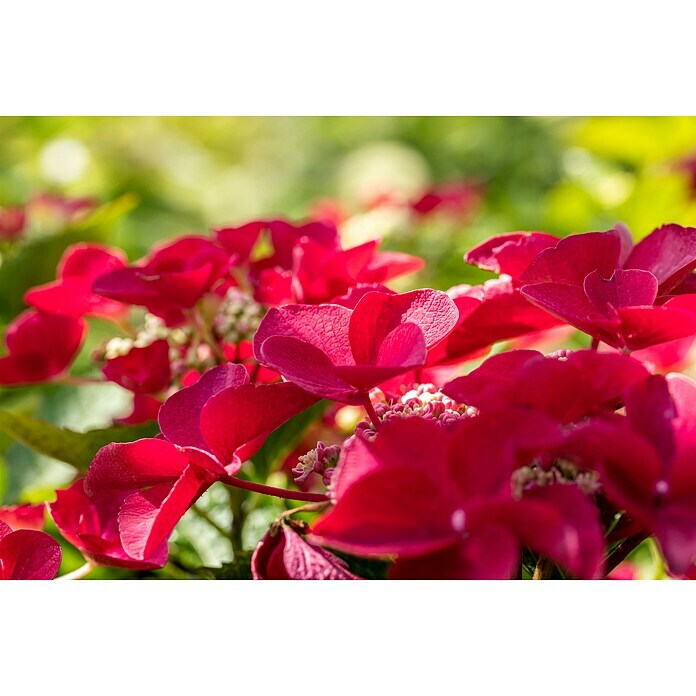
[[155, 178]]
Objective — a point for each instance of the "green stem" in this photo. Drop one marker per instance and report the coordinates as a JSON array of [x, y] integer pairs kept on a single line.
[[205, 516], [237, 505], [79, 573]]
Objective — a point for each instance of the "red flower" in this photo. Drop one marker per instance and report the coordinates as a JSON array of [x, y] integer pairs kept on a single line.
[[321, 275], [25, 516], [341, 354], [12, 223], [566, 387], [495, 311], [307, 264], [145, 370], [209, 430], [488, 313], [40, 347], [646, 462], [27, 554], [71, 294], [619, 294], [172, 278], [241, 241], [457, 198], [91, 526], [440, 500], [284, 555]]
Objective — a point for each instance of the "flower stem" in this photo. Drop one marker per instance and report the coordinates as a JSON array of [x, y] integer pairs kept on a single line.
[[205, 516], [595, 344], [77, 380], [237, 507], [206, 335], [79, 573], [372, 414], [277, 492]]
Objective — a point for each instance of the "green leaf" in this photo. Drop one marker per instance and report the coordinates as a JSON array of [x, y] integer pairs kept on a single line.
[[77, 449], [284, 439], [109, 212]]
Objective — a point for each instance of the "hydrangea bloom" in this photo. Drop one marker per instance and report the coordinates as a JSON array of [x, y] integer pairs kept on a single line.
[[618, 293], [91, 525], [170, 279], [567, 387], [208, 429], [441, 500], [341, 354], [308, 264], [645, 461], [71, 294]]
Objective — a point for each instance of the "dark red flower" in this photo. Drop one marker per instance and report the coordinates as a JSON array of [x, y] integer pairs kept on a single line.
[[91, 526], [440, 499], [456, 198], [40, 347], [646, 462], [341, 354], [209, 430], [284, 555], [170, 279], [145, 370], [616, 292], [71, 294], [27, 554], [567, 387]]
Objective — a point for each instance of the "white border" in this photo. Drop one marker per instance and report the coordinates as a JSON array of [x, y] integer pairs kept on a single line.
[[427, 638], [359, 57]]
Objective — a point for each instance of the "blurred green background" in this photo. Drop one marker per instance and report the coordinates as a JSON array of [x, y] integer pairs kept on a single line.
[[174, 175]]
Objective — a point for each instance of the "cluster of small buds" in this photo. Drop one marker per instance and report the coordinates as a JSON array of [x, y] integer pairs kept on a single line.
[[238, 317], [424, 401], [153, 329], [321, 460], [564, 473], [561, 354]]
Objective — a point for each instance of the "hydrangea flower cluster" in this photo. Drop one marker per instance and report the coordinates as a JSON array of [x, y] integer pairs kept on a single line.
[[460, 466]]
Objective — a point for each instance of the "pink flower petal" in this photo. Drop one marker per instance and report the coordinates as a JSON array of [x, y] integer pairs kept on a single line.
[[510, 253], [179, 417], [149, 516], [237, 416], [575, 257], [632, 288]]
